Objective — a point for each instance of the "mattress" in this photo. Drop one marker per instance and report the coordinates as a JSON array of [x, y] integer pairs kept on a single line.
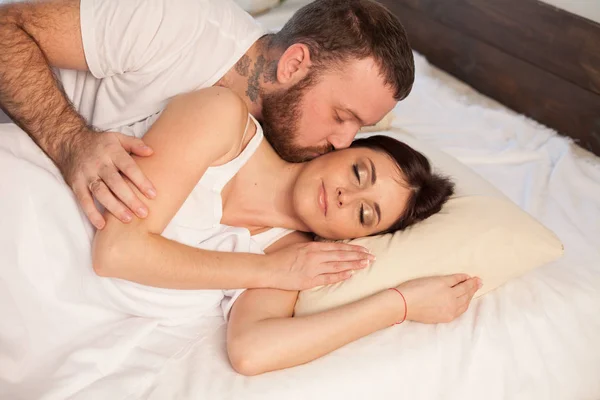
[[534, 338]]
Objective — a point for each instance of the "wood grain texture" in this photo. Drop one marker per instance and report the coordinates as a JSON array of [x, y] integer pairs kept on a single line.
[[554, 40], [522, 67]]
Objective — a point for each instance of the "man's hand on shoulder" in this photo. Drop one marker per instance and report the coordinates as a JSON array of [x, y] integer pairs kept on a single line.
[[94, 165]]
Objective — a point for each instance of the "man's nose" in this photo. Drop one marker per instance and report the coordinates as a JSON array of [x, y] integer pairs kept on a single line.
[[344, 138]]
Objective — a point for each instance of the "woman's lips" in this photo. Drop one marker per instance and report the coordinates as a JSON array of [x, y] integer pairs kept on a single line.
[[323, 198]]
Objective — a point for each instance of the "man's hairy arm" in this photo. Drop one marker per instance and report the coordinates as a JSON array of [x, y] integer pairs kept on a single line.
[[37, 36], [29, 92]]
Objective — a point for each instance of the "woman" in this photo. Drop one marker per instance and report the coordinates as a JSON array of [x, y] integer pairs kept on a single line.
[[220, 175]]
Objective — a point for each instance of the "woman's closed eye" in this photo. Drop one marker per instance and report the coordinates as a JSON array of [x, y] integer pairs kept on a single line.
[[360, 173], [361, 215], [366, 215]]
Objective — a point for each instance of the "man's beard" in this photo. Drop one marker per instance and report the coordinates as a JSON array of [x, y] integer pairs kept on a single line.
[[281, 113]]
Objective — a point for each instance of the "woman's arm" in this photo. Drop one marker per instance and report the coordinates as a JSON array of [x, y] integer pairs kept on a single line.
[[263, 336], [195, 131]]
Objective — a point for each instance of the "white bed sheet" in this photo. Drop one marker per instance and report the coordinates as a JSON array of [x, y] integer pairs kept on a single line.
[[534, 338], [537, 337]]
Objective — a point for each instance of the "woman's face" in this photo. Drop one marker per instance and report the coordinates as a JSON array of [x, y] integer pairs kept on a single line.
[[350, 193]]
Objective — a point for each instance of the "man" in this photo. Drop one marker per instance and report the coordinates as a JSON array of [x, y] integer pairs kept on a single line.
[[73, 73]]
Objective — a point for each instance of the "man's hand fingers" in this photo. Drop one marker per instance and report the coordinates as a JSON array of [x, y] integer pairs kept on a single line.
[[87, 204], [123, 191], [105, 197], [127, 165], [135, 146]]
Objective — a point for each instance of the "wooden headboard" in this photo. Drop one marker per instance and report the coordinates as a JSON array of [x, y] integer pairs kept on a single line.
[[534, 58]]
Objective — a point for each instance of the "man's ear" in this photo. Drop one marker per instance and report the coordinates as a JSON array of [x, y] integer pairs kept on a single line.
[[294, 64]]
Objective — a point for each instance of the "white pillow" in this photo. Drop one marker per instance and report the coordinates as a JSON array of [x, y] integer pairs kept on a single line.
[[256, 7], [383, 125], [479, 232]]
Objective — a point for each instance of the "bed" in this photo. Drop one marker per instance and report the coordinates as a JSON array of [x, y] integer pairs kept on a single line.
[[534, 338]]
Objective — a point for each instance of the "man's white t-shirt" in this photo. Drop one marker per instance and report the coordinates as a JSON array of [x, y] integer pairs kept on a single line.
[[141, 53]]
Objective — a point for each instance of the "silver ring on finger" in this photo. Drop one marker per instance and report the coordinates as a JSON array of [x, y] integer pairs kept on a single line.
[[94, 184]]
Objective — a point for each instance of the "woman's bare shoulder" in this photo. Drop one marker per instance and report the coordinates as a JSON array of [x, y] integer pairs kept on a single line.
[[219, 112]]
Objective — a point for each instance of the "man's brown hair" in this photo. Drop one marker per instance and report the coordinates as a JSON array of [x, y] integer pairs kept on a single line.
[[337, 31]]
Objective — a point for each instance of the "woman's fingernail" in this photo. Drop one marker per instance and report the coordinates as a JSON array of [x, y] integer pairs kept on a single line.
[[127, 217], [151, 193], [364, 263], [142, 212], [371, 257]]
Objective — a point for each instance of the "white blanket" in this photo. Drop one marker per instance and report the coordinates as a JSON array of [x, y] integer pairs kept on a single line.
[[534, 338], [64, 328]]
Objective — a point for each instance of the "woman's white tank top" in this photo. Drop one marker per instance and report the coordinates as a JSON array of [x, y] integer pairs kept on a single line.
[[198, 224]]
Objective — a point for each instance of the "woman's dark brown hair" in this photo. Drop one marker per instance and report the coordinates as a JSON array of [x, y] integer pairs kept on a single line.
[[337, 31], [429, 191]]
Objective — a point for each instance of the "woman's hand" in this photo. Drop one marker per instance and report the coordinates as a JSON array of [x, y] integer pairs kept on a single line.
[[438, 299], [306, 265]]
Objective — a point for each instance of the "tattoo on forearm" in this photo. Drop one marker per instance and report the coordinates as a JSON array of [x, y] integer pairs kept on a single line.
[[243, 65], [271, 72], [254, 80], [32, 96]]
